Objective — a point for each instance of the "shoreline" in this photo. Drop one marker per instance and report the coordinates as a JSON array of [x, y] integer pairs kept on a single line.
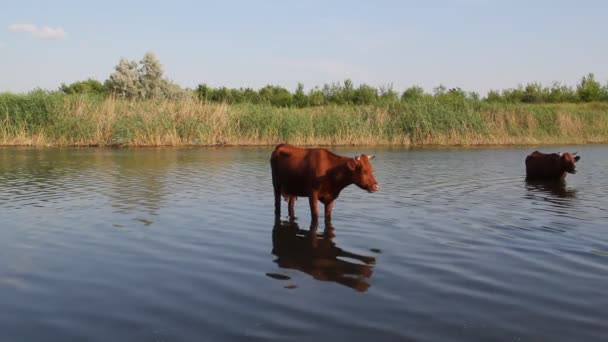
[[329, 146]]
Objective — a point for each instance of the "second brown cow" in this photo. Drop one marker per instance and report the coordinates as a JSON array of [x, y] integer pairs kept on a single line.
[[550, 166], [318, 174]]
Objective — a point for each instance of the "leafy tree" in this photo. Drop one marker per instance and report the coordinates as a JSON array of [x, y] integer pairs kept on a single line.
[[472, 95], [299, 97], [316, 97], [332, 93], [147, 82], [440, 90], [387, 94], [533, 93], [456, 93], [124, 82], [276, 96], [251, 96], [150, 75], [365, 95], [348, 92], [173, 91], [589, 89], [494, 96], [412, 93], [513, 95], [236, 95], [222, 94], [88, 86], [203, 92], [560, 93]]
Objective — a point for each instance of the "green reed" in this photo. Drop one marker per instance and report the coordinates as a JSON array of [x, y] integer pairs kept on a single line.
[[41, 118]]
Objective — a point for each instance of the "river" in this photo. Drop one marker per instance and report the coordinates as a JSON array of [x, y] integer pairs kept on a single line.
[[181, 245]]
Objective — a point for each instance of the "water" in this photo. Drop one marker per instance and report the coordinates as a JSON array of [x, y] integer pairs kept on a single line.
[[180, 245]]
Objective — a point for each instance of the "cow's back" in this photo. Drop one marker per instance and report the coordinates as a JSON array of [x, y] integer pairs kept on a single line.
[[540, 166], [294, 169], [291, 160]]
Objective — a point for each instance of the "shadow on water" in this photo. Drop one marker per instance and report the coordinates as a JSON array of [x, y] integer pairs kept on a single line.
[[552, 191], [554, 188], [317, 255]]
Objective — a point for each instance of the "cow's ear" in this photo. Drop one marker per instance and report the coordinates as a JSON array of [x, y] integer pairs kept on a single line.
[[352, 164]]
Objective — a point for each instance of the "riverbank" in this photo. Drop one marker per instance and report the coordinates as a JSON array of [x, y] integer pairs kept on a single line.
[[60, 120]]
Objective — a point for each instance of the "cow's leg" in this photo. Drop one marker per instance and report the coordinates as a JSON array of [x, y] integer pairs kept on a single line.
[[277, 203], [328, 207], [313, 199], [313, 234], [328, 232], [292, 202]]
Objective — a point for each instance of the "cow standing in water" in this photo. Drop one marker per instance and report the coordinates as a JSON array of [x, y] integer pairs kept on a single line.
[[553, 166], [318, 174]]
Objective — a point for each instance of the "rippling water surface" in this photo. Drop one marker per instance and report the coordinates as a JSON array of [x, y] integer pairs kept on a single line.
[[181, 245]]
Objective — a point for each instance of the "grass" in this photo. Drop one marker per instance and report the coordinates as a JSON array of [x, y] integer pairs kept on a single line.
[[42, 119]]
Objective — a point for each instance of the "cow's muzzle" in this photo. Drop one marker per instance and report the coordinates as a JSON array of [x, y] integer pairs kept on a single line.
[[374, 188]]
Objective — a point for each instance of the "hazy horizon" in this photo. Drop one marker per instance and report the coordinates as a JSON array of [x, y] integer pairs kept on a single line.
[[472, 44]]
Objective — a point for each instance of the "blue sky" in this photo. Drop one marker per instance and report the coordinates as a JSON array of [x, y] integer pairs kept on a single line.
[[473, 44]]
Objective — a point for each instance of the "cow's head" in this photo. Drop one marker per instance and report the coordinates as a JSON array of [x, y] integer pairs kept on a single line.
[[363, 173], [568, 161]]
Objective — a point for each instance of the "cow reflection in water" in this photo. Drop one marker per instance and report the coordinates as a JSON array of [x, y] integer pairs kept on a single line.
[[316, 254], [556, 189], [554, 192]]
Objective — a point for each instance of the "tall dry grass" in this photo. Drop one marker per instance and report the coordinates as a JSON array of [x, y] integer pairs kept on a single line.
[[59, 120]]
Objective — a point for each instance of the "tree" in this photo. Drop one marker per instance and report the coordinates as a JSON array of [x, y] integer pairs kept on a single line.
[[365, 95], [222, 94], [332, 93], [250, 95], [589, 89], [299, 97], [150, 75], [412, 93], [171, 90], [513, 95], [559, 93], [276, 96], [348, 92], [124, 82], [316, 97], [440, 90], [147, 82], [533, 93], [387, 94], [493, 96], [203, 92], [89, 86]]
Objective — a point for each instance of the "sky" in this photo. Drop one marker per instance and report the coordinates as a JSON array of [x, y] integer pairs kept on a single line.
[[476, 45]]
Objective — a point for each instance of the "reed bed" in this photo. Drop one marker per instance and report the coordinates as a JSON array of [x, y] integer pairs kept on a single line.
[[41, 119]]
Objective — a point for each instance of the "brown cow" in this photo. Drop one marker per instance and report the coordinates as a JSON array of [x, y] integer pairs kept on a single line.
[[553, 166], [318, 174]]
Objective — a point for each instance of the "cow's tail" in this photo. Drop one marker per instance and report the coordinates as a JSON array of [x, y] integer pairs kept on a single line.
[[274, 160], [273, 169], [276, 186]]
